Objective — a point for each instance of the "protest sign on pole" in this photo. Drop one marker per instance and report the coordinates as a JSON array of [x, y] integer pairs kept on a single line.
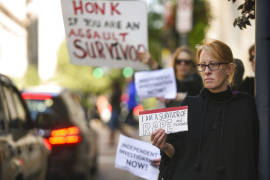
[[184, 16], [172, 120], [105, 33], [157, 83], [135, 156]]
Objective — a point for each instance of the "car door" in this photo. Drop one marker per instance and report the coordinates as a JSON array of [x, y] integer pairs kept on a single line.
[[10, 166], [30, 152]]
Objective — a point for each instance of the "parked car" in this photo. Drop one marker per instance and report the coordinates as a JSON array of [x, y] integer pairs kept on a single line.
[[63, 123], [23, 153]]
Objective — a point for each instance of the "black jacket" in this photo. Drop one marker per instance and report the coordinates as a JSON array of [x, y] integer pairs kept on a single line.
[[248, 86], [221, 143]]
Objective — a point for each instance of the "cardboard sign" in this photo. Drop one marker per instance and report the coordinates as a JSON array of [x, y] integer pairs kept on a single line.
[[135, 156], [157, 83], [172, 120], [105, 33]]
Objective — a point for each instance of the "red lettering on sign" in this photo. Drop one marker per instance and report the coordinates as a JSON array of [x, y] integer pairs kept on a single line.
[[95, 8], [123, 36], [89, 7], [71, 33], [78, 47], [91, 52], [114, 10], [110, 49], [100, 48], [101, 9], [89, 34], [124, 51], [96, 35], [77, 7]]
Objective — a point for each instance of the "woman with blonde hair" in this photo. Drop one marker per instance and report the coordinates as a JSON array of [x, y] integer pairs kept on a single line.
[[188, 81], [222, 138]]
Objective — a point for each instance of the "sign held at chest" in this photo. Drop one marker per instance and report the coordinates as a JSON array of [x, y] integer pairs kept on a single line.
[[172, 120]]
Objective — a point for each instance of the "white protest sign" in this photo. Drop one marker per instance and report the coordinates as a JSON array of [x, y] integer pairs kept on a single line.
[[157, 83], [174, 119], [105, 33], [135, 156], [184, 16]]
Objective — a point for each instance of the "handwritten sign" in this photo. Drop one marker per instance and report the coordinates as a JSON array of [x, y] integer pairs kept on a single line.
[[174, 119], [135, 156], [157, 83], [105, 33]]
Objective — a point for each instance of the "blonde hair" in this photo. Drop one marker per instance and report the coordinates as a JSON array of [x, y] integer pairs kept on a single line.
[[187, 50], [218, 50]]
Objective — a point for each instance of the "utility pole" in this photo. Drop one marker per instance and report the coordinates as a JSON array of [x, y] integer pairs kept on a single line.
[[263, 85]]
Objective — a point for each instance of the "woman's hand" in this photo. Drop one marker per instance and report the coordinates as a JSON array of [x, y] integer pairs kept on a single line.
[[146, 58], [156, 162], [163, 100], [158, 139], [181, 96]]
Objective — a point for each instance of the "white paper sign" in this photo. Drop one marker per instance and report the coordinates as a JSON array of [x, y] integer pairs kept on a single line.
[[105, 33], [135, 156], [157, 83], [184, 16], [174, 119]]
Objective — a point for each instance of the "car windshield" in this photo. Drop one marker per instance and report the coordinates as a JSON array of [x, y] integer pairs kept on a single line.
[[39, 105], [54, 106]]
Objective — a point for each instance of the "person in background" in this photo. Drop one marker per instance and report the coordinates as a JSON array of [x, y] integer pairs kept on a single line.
[[238, 74], [188, 81], [115, 101], [131, 103], [222, 140], [248, 84]]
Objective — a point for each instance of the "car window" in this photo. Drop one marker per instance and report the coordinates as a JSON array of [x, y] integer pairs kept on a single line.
[[2, 111], [55, 106], [16, 109], [19, 106], [59, 110], [38, 106]]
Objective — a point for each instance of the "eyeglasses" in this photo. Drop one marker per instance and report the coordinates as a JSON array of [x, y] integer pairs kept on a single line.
[[185, 61], [211, 66]]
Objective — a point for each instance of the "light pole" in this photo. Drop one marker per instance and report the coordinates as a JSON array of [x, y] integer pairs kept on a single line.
[[263, 84]]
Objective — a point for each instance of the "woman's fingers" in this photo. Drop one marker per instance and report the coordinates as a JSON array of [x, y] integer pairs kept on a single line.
[[161, 99], [158, 137], [144, 57], [156, 162], [153, 135], [161, 140]]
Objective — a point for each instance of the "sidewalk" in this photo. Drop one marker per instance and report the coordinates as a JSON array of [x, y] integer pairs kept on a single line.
[[107, 153]]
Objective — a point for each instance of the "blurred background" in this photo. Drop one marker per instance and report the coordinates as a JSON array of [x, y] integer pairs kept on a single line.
[[33, 38], [33, 52]]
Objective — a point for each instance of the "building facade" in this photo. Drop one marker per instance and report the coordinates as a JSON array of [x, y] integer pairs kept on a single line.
[[13, 38], [221, 28]]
